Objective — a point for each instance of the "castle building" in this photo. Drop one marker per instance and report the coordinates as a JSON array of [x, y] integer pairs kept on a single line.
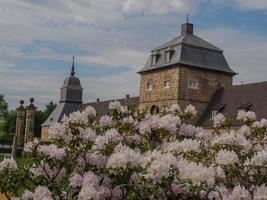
[[185, 70]]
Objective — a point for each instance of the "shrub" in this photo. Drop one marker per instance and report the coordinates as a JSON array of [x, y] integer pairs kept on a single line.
[[132, 155]]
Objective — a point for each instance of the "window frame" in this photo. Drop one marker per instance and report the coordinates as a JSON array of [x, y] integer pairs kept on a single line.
[[194, 86], [167, 56], [166, 86], [214, 113], [149, 88]]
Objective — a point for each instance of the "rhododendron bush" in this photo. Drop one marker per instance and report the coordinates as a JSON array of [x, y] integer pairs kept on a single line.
[[129, 154]]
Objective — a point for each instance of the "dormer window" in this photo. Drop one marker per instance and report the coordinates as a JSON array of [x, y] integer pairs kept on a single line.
[[168, 55], [155, 56]]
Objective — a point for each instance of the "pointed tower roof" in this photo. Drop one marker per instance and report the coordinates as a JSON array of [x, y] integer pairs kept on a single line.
[[70, 98], [190, 50]]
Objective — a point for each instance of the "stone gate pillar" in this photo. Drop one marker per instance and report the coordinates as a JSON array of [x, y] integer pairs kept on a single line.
[[29, 130], [20, 129], [20, 124]]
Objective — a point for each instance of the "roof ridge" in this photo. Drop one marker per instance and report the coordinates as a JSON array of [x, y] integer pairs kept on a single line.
[[248, 84]]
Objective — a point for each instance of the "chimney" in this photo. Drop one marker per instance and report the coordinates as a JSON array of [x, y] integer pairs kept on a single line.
[[187, 28], [127, 97]]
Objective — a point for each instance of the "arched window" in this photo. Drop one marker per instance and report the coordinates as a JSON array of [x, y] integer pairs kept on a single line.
[[154, 110]]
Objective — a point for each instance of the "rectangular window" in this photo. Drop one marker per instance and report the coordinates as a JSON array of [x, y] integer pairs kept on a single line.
[[193, 84], [167, 84], [167, 56], [214, 113], [149, 86]]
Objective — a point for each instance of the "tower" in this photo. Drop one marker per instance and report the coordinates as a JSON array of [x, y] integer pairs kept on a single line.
[[70, 101], [185, 70]]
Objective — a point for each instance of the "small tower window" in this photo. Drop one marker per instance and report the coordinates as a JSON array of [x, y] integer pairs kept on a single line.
[[149, 86], [167, 84], [193, 84], [214, 113]]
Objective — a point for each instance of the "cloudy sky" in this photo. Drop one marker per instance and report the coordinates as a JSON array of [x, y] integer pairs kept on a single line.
[[112, 39]]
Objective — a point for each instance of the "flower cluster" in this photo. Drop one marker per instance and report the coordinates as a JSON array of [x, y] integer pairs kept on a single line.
[[129, 154]]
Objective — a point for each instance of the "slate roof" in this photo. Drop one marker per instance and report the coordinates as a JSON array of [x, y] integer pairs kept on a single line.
[[189, 49], [101, 107], [231, 99], [61, 110]]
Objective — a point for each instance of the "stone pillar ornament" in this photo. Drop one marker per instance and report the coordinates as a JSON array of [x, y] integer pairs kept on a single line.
[[20, 129], [30, 116]]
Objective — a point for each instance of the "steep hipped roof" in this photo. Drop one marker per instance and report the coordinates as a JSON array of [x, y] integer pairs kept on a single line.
[[101, 107], [189, 49], [231, 99]]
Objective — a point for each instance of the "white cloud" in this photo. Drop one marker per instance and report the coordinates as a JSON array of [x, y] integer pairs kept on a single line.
[[253, 4], [160, 7], [9, 53]]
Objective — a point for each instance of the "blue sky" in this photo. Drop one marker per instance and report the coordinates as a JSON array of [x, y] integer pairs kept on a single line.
[[112, 40]]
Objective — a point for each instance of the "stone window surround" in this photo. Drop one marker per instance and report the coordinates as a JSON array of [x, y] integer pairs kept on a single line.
[[149, 86], [167, 83], [193, 84]]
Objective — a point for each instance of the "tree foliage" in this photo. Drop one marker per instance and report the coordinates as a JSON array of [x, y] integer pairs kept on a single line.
[[3, 107]]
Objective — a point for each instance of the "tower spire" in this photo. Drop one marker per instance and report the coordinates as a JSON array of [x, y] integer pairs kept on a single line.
[[72, 68], [187, 18]]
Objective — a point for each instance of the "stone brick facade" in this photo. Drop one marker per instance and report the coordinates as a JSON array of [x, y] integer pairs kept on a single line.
[[159, 95], [44, 135], [178, 91]]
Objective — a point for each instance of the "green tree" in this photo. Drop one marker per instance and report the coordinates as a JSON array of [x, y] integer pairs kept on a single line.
[[9, 124], [3, 107], [50, 107]]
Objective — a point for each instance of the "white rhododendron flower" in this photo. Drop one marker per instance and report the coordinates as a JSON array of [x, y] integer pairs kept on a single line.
[[90, 111], [133, 154], [92, 188], [245, 116], [9, 164], [260, 193], [191, 110], [52, 151], [239, 193], [218, 120], [225, 157], [190, 145], [124, 156], [175, 108], [105, 121]]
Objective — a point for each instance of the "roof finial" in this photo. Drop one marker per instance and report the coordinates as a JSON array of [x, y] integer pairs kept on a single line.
[[72, 68], [187, 18]]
